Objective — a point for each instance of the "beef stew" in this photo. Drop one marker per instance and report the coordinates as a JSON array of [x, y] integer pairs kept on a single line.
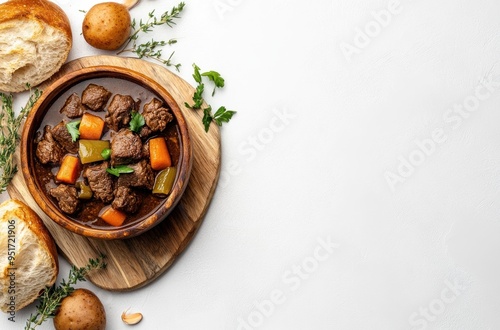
[[118, 177]]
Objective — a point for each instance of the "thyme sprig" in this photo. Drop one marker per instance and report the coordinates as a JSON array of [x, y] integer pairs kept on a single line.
[[9, 134], [153, 49], [51, 298]]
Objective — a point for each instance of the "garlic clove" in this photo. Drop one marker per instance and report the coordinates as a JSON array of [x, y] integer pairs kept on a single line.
[[130, 3], [131, 319]]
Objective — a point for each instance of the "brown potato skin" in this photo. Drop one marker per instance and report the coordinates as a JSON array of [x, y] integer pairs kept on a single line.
[[106, 25], [82, 310]]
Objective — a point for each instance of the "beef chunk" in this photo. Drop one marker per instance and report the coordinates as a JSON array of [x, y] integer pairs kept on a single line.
[[61, 134], [100, 181], [145, 132], [67, 198], [95, 97], [174, 149], [48, 150], [145, 150], [126, 147], [119, 111], [126, 200], [73, 107], [156, 115], [142, 177]]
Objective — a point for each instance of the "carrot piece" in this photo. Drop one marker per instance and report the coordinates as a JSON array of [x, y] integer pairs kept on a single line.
[[113, 217], [158, 154], [91, 127], [69, 170]]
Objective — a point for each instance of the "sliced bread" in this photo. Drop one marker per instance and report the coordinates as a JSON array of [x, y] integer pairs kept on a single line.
[[35, 41], [28, 256]]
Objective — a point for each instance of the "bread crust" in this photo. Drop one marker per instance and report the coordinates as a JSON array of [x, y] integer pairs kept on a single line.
[[41, 10], [20, 210], [37, 58], [14, 209]]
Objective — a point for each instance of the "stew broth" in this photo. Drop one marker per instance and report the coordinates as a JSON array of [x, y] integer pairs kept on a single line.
[[88, 213]]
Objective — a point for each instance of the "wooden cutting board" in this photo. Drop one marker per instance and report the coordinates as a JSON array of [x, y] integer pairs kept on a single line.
[[137, 261]]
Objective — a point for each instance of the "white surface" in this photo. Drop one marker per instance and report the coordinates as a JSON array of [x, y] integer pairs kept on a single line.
[[305, 161]]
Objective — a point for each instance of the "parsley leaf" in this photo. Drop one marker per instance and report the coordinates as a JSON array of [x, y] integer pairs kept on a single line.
[[223, 115], [106, 153], [197, 97], [196, 74], [216, 78], [120, 169], [207, 118], [72, 128], [136, 122]]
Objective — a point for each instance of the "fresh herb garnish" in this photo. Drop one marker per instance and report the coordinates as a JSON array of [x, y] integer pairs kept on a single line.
[[120, 169], [207, 118], [222, 115], [136, 122], [9, 134], [197, 74], [216, 78], [197, 97], [198, 92], [73, 129], [106, 153], [51, 298], [152, 49]]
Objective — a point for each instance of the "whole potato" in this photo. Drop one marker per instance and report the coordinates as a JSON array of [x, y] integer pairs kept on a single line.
[[107, 25], [81, 310]]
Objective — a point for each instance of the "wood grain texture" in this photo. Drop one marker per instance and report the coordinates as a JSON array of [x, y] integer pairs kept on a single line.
[[135, 262]]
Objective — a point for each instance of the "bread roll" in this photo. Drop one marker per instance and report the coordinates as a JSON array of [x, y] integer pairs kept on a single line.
[[35, 40], [34, 266]]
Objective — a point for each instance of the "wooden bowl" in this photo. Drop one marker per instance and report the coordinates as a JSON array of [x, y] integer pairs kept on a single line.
[[50, 95]]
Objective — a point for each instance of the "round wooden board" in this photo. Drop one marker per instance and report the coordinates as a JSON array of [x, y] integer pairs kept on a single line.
[[135, 262]]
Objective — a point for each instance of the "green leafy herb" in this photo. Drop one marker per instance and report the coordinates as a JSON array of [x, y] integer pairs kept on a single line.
[[120, 169], [207, 118], [222, 115], [197, 74], [106, 153], [73, 129], [51, 298], [197, 97], [216, 78], [136, 122], [153, 49], [9, 134]]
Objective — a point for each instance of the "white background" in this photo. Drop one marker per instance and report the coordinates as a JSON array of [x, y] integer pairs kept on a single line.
[[332, 142]]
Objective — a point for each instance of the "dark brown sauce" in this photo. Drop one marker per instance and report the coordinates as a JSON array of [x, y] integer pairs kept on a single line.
[[88, 213]]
